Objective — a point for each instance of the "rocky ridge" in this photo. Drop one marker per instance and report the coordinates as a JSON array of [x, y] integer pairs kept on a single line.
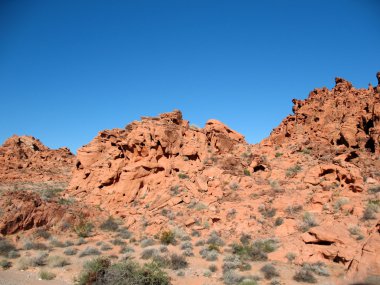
[[313, 184]]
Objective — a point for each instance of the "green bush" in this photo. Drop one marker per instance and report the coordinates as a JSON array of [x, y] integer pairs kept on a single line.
[[292, 171], [256, 251], [46, 275], [168, 237], [100, 271], [247, 172], [83, 229], [5, 264]]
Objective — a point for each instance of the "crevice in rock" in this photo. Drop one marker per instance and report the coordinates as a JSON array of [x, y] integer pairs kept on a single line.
[[370, 145]]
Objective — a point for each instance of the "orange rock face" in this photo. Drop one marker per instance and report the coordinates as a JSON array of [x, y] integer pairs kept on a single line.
[[25, 158], [334, 120], [313, 184], [149, 160]]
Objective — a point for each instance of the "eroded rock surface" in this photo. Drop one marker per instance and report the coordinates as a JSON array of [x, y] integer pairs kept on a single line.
[[25, 158]]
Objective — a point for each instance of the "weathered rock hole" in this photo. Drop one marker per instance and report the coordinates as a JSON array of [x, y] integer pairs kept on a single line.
[[370, 145], [342, 141], [259, 168]]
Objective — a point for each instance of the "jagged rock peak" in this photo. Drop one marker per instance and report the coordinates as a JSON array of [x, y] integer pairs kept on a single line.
[[343, 118]]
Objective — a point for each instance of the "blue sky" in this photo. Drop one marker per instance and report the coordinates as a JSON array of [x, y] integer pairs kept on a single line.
[[69, 69]]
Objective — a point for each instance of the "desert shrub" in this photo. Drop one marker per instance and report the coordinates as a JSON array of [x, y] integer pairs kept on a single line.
[[318, 268], [279, 221], [89, 251], [185, 238], [355, 231], [230, 277], [56, 243], [215, 239], [207, 273], [93, 271], [308, 221], [304, 275], [275, 282], [125, 272], [163, 248], [293, 209], [147, 242], [81, 241], [278, 154], [183, 176], [40, 233], [256, 251], [340, 202], [23, 263], [209, 255], [244, 266], [188, 252], [186, 245], [374, 189], [49, 194], [109, 225], [70, 251], [267, 212], [247, 172], [195, 233], [200, 206], [46, 275], [178, 261], [231, 262], [200, 242], [13, 254], [175, 190], [149, 253], [40, 259], [292, 171], [83, 229], [64, 201], [106, 247], [168, 237], [290, 256], [234, 186], [5, 264], [57, 261], [28, 245], [371, 210], [6, 247], [118, 241], [124, 233], [126, 249], [269, 271], [245, 238], [213, 268]]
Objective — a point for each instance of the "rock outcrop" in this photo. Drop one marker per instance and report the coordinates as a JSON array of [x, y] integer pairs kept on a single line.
[[24, 159], [150, 160], [22, 211], [333, 120]]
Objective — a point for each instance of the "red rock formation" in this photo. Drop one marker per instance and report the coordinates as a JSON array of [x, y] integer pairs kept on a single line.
[[333, 120], [27, 159], [22, 210], [148, 158]]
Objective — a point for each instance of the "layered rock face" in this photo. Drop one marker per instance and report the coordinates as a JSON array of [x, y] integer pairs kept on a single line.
[[148, 160], [26, 159]]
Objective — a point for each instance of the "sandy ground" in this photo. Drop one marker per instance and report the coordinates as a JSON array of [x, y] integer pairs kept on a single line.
[[15, 277]]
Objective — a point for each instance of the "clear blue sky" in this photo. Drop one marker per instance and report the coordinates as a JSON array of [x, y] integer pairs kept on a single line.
[[69, 69]]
